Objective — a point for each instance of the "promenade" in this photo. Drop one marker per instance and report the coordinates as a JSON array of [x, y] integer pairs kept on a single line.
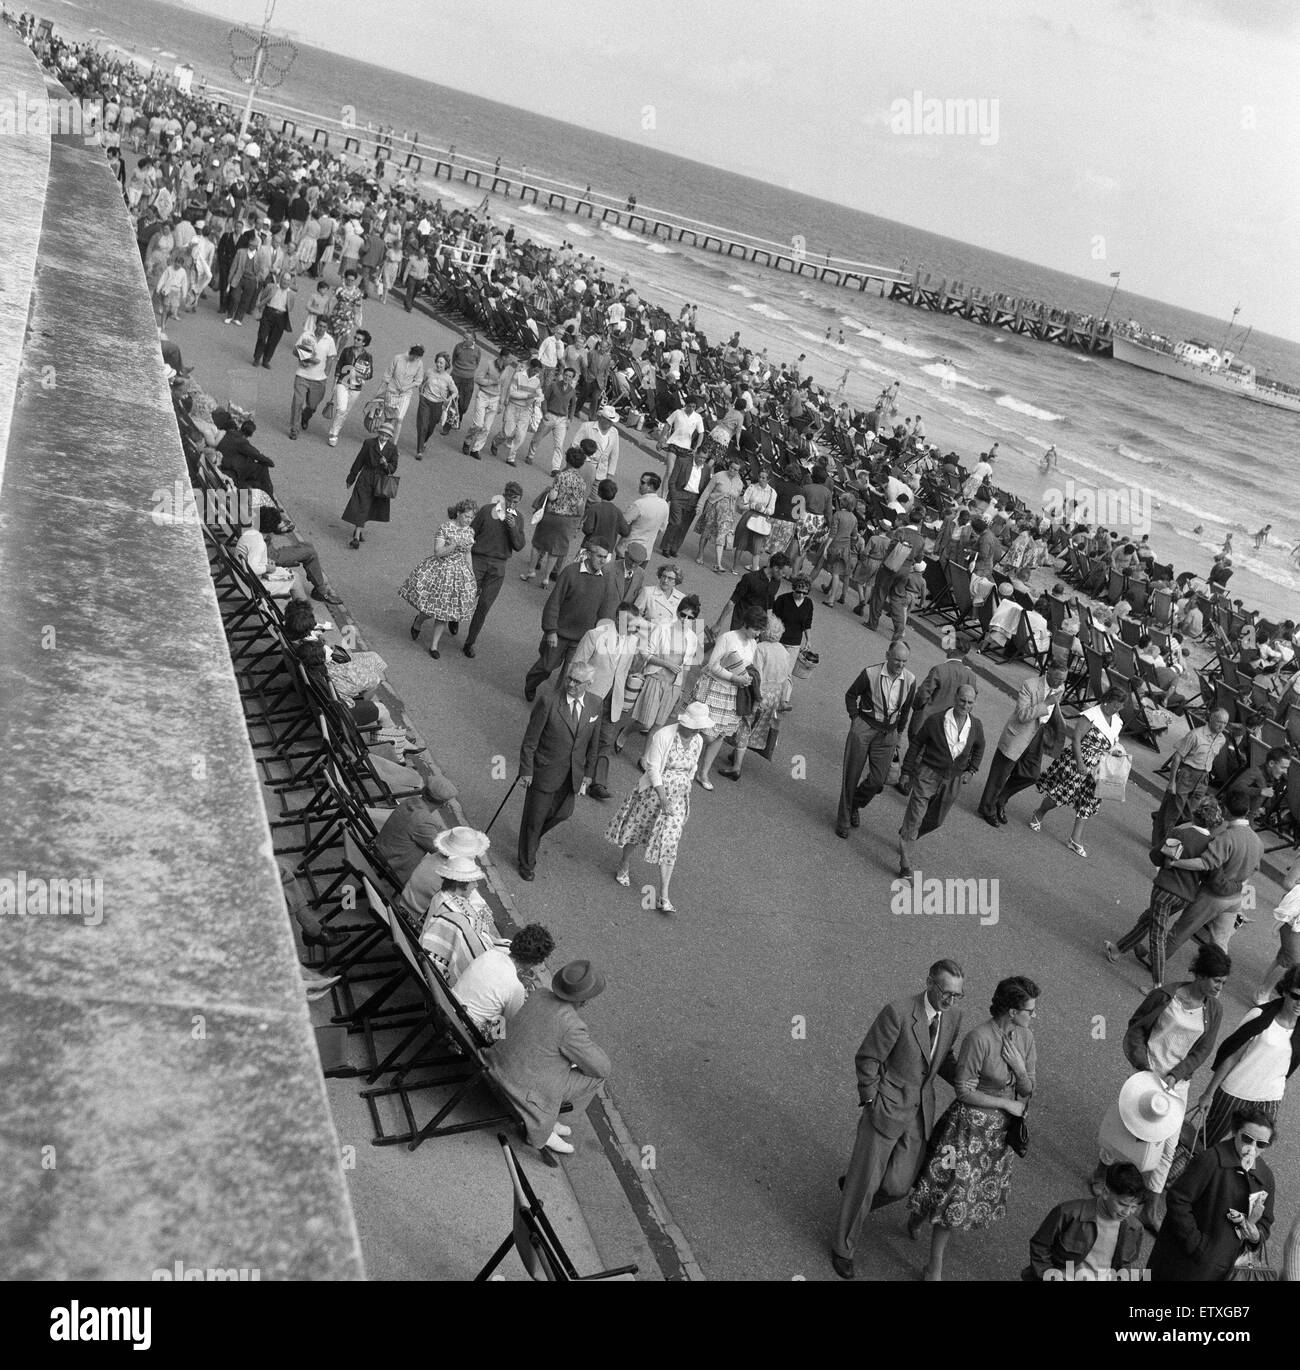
[[732, 1026]]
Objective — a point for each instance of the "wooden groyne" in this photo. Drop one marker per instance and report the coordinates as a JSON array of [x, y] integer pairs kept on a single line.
[[1030, 318]]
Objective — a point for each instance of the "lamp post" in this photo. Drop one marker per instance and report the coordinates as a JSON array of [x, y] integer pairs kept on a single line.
[[260, 60], [1111, 299]]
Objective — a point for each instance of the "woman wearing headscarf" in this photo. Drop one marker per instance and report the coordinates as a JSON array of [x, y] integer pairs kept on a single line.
[[656, 811], [370, 501], [963, 1185], [774, 664]]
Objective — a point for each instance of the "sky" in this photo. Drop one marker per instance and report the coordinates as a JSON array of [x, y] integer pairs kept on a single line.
[[1159, 138]]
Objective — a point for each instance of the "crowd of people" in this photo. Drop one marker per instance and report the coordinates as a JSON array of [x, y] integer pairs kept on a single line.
[[762, 464]]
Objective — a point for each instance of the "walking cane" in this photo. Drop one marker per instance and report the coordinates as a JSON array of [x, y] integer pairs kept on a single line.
[[502, 805]]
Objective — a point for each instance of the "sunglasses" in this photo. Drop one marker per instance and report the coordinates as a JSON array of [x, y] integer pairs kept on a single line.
[[1256, 1142], [686, 613]]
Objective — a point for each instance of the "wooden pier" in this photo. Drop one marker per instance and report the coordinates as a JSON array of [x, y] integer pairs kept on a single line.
[[1031, 318]]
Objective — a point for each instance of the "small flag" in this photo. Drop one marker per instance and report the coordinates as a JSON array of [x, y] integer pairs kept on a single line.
[[1114, 275]]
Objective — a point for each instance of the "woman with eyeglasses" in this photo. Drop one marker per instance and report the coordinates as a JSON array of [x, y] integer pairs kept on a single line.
[[1221, 1207], [660, 602], [963, 1185], [672, 650], [1254, 1062]]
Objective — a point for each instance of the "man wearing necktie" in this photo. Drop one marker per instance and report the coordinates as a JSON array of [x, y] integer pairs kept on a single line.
[[879, 703], [557, 759], [908, 1047]]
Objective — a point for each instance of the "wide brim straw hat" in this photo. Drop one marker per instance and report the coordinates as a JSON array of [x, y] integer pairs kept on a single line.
[[463, 842], [1148, 1110], [463, 868]]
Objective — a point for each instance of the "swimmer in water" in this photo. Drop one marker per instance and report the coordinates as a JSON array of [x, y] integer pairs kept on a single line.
[[1196, 532], [1261, 538], [1049, 460]]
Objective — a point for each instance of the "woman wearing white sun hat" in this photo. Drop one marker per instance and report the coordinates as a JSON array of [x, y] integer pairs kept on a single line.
[[458, 927]]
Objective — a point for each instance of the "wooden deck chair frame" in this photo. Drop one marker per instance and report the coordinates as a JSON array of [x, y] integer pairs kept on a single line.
[[539, 1246]]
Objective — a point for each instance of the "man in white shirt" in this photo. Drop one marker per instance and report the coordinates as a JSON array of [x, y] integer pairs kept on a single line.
[[647, 515], [490, 987], [951, 749], [610, 648], [309, 379], [549, 354], [605, 436], [685, 430]]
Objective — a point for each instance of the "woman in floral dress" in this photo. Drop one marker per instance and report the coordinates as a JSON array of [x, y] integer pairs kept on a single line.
[[1072, 778], [442, 587], [774, 664], [963, 1185], [656, 811], [718, 519], [727, 669]]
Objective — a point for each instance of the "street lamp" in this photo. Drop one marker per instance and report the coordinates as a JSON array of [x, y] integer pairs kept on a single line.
[[259, 60]]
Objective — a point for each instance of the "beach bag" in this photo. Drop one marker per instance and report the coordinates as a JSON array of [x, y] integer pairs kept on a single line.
[[540, 512], [895, 769], [807, 662], [376, 413], [451, 415], [1112, 776], [758, 524]]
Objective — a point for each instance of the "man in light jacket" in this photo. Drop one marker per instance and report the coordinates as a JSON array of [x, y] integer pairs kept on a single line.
[[548, 1058], [610, 648], [1021, 742]]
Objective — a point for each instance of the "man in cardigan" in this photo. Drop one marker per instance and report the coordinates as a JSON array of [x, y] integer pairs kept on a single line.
[[582, 596], [879, 703], [1231, 860], [557, 759], [952, 747]]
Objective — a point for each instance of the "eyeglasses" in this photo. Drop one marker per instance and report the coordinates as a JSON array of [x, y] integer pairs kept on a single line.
[[685, 613], [949, 996], [1256, 1142]]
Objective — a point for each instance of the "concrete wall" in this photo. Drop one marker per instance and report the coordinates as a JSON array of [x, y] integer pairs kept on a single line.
[[161, 1088]]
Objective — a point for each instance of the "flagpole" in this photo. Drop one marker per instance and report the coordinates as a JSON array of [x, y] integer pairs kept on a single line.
[[1111, 300]]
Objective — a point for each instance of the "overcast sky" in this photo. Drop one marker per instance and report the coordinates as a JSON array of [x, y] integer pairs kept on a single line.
[[1168, 128]]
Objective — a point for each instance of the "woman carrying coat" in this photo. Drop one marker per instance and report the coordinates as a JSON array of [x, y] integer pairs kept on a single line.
[[963, 1186], [376, 461]]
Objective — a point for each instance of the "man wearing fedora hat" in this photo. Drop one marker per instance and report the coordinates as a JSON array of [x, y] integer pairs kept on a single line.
[[548, 1058], [557, 759]]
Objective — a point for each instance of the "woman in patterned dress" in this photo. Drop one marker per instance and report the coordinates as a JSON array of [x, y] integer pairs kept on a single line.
[[563, 506], [728, 667], [963, 1184], [442, 587], [1072, 778], [758, 502], [656, 811], [774, 663], [718, 517]]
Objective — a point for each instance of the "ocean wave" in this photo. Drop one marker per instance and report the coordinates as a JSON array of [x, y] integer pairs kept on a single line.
[[573, 227], [533, 209], [622, 234], [743, 290], [660, 250], [866, 364], [954, 403], [902, 348], [949, 375], [768, 312], [1129, 454], [1028, 410]]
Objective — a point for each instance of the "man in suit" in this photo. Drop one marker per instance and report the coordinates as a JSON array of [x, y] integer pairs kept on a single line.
[[951, 747], [686, 481], [907, 1048], [628, 573], [879, 703], [557, 759], [1018, 758], [935, 695], [548, 1059]]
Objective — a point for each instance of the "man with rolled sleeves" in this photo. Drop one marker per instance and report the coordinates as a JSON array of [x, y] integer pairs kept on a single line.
[[498, 531], [1189, 774], [879, 703], [908, 1047]]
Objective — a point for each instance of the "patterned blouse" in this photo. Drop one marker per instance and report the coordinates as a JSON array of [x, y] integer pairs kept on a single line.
[[568, 494]]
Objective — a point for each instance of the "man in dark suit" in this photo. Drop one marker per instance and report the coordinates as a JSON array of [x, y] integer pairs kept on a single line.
[[879, 703], [686, 481], [952, 747], [557, 759], [906, 1049]]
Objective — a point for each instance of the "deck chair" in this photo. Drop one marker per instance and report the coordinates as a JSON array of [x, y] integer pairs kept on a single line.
[[1125, 659], [1097, 681], [1287, 823], [1130, 631], [963, 603], [1161, 609], [461, 1067], [532, 1235], [1138, 593], [1133, 717]]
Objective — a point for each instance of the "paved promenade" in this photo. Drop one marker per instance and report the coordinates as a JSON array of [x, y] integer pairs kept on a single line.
[[733, 1025]]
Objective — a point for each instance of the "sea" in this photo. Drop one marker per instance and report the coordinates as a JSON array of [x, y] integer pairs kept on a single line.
[[1190, 466]]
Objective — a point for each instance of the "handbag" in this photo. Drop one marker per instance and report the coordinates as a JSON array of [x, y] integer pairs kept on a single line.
[[1018, 1134], [1112, 776], [1252, 1267], [759, 524], [386, 485], [540, 514], [1190, 1144], [376, 412]]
